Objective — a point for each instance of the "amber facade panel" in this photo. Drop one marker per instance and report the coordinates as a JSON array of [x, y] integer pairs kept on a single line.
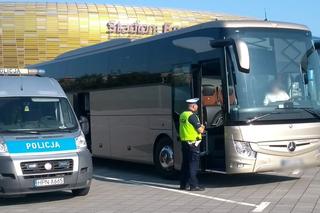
[[36, 32]]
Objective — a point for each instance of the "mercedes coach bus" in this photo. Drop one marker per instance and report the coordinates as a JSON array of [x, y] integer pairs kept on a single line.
[[258, 82]]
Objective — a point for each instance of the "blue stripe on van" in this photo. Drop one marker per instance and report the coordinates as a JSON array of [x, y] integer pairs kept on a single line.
[[36, 146]]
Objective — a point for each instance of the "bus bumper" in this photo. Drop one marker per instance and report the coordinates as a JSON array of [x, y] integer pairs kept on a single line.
[[12, 182], [268, 163], [265, 162]]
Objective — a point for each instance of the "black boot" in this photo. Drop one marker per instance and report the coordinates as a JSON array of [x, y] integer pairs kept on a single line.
[[197, 188], [184, 187]]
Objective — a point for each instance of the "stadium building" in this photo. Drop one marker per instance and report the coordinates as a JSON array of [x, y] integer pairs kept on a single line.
[[35, 32]]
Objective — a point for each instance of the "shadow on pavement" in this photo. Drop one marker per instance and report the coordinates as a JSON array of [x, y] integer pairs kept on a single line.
[[36, 198], [133, 173], [112, 170], [222, 180]]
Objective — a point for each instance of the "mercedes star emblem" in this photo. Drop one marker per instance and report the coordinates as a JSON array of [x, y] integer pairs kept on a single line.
[[292, 146]]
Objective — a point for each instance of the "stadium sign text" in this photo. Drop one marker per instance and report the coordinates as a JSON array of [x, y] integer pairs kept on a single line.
[[138, 29]]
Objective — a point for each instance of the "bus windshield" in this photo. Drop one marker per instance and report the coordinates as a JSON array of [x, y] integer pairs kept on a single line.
[[34, 114], [284, 79]]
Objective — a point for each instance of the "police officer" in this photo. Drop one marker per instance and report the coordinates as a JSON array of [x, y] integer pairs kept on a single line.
[[190, 130]]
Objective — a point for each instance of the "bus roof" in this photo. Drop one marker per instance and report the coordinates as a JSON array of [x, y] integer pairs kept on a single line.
[[120, 43]]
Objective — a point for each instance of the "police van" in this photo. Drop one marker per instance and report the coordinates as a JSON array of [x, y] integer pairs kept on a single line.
[[42, 147]]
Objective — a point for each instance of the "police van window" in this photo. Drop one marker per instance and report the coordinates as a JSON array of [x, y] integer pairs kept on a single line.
[[68, 117], [35, 114]]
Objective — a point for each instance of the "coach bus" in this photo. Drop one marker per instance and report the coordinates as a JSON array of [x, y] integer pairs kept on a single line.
[[129, 94]]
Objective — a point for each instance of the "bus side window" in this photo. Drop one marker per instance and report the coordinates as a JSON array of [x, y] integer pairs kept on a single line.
[[210, 95], [232, 96], [211, 100]]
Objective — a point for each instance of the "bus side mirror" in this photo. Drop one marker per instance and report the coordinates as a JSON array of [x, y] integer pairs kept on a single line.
[[243, 56], [241, 50]]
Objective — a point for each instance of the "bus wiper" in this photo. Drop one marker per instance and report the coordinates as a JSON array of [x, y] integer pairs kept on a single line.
[[260, 117], [310, 111]]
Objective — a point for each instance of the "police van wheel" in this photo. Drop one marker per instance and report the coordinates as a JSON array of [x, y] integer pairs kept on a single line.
[[81, 192], [163, 158]]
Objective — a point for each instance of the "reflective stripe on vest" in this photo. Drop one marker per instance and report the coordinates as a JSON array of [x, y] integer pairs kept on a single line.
[[187, 131]]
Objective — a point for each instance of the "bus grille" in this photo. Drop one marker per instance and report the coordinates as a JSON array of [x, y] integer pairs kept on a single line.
[[39, 167]]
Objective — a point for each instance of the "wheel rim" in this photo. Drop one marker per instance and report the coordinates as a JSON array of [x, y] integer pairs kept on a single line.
[[166, 157]]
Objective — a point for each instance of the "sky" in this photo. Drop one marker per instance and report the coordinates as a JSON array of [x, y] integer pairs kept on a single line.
[[299, 11]]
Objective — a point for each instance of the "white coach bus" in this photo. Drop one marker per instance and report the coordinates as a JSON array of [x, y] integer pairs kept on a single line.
[[131, 93]]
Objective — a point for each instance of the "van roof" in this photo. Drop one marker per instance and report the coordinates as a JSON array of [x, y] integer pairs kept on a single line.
[[29, 86]]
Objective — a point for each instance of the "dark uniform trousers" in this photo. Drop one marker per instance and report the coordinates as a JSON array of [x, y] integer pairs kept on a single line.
[[190, 165]]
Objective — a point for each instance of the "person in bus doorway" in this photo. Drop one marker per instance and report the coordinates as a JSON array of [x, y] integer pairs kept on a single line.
[[276, 94], [190, 130]]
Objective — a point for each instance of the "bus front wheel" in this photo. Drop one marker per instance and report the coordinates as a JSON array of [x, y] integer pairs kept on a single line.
[[164, 158]]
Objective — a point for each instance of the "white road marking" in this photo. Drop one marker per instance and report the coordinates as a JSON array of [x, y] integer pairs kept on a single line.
[[258, 208], [296, 172], [261, 207]]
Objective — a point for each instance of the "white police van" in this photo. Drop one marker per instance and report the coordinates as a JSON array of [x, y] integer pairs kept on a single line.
[[42, 147]]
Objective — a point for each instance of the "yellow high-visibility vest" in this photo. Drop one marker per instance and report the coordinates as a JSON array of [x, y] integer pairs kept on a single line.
[[187, 131]]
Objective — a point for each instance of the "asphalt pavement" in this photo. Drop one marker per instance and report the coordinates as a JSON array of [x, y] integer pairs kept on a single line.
[[127, 187]]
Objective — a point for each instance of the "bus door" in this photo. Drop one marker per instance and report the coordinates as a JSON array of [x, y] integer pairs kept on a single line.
[[212, 115], [187, 80], [182, 89]]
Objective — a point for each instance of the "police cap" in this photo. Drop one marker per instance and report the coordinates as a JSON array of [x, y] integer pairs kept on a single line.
[[192, 101]]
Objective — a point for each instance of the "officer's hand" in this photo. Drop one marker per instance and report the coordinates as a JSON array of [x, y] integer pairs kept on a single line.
[[201, 129]]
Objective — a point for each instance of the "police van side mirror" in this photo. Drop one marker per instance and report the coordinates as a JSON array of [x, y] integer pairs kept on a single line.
[[84, 124], [241, 51]]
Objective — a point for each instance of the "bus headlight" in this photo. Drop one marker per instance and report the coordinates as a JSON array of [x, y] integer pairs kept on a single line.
[[244, 149], [81, 141]]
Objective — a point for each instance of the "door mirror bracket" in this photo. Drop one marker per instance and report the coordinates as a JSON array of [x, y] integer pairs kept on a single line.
[[241, 50]]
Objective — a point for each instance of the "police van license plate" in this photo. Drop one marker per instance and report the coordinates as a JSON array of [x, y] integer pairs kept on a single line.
[[49, 182]]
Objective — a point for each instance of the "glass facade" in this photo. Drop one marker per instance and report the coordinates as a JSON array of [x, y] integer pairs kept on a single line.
[[36, 32]]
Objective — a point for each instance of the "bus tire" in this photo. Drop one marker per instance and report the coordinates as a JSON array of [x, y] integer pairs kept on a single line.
[[163, 158], [81, 192]]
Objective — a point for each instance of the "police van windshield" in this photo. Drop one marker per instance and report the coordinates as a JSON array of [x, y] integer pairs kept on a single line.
[[284, 78], [36, 114]]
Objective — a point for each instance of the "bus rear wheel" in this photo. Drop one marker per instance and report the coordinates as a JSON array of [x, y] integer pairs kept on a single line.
[[164, 158]]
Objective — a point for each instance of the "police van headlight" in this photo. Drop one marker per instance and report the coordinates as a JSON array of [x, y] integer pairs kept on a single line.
[[244, 149], [81, 141], [3, 147]]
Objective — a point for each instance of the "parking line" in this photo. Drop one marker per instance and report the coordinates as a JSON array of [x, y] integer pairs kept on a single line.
[[296, 172], [257, 208]]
